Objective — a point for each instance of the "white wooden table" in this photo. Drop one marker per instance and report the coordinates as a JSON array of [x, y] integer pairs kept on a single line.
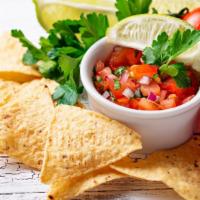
[[18, 182]]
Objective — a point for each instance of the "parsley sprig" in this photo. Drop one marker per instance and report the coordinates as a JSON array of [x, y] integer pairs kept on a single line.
[[126, 8], [165, 49], [59, 55]]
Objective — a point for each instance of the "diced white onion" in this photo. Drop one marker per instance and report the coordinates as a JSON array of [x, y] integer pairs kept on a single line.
[[106, 95], [128, 93], [145, 80]]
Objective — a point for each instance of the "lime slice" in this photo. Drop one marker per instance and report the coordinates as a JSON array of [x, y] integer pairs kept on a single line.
[[191, 57], [174, 6], [50, 11], [139, 31]]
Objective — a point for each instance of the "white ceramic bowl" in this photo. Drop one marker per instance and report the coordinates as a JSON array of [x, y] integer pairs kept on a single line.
[[159, 129]]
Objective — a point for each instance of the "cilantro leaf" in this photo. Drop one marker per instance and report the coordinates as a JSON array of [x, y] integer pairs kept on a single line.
[[126, 8], [93, 27], [47, 68], [117, 84], [157, 53], [28, 58], [66, 94], [182, 79], [37, 54], [178, 72], [67, 64], [165, 49]]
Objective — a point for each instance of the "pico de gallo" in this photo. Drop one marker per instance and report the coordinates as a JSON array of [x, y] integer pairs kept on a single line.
[[125, 80]]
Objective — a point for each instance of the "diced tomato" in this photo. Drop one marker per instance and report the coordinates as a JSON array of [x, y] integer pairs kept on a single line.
[[131, 84], [145, 104], [124, 57], [163, 95], [152, 87], [134, 57], [171, 86], [168, 103], [105, 72], [133, 104], [124, 101], [99, 66], [117, 93], [123, 85], [138, 71], [102, 86]]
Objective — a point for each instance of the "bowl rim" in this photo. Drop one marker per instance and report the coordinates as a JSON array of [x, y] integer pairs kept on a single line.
[[91, 90]]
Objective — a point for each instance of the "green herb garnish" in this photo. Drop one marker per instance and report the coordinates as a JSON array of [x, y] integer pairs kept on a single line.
[[99, 79], [126, 8], [117, 84], [59, 55], [165, 49], [119, 71]]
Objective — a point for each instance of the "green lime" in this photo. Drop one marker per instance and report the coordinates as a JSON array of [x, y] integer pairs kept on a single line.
[[50, 11], [139, 31]]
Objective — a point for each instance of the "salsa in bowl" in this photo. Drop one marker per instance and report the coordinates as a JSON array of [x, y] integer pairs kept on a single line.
[[124, 79], [159, 129]]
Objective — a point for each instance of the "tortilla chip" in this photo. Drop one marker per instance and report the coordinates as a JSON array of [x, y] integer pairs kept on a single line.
[[25, 122], [51, 84], [65, 189], [11, 66], [7, 90], [178, 168], [81, 141]]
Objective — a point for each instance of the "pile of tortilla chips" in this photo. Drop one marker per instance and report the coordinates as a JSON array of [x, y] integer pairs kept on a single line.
[[78, 149]]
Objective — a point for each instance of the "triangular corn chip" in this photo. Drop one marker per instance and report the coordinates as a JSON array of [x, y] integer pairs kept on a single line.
[[65, 189], [178, 168], [24, 123], [81, 141], [7, 90], [11, 66]]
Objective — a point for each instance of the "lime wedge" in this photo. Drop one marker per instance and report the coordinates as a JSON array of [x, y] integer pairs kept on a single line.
[[139, 31], [191, 57], [174, 6], [50, 11]]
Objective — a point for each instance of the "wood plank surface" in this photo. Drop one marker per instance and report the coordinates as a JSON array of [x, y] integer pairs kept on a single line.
[[17, 182]]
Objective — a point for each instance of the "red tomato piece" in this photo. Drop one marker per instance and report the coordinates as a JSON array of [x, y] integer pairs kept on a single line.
[[124, 101], [193, 18], [152, 87], [134, 104], [171, 86], [145, 104], [105, 72], [99, 66], [124, 57], [168, 103], [163, 95], [117, 93], [138, 71]]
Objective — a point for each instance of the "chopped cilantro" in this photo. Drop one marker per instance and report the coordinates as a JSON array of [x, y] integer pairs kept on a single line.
[[119, 71], [117, 84]]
